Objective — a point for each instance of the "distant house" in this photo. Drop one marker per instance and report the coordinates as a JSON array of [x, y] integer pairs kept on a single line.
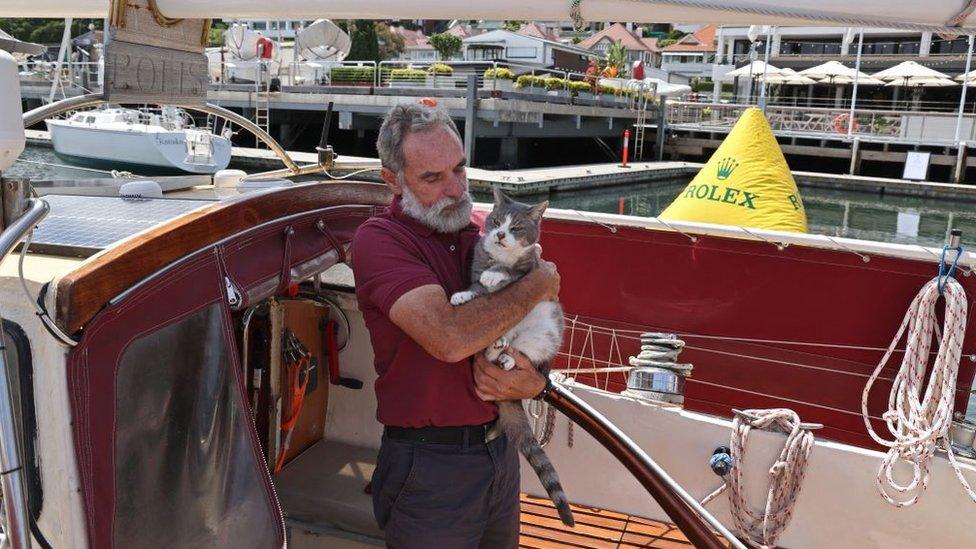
[[416, 45], [637, 47], [691, 56], [539, 30], [518, 48]]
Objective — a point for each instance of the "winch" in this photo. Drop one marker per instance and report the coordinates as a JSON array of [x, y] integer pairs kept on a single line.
[[657, 375]]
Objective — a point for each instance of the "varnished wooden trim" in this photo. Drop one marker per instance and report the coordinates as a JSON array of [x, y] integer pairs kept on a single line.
[[85, 291]]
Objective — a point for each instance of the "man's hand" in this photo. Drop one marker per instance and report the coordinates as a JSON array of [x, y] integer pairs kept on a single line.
[[521, 382], [547, 275]]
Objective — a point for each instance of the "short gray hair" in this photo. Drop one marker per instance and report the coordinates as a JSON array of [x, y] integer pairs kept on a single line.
[[402, 120]]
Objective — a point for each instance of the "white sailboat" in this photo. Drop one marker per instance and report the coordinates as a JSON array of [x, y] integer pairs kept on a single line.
[[134, 139]]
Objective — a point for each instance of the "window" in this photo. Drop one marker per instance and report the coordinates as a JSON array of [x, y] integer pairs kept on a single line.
[[259, 25], [522, 53], [959, 45]]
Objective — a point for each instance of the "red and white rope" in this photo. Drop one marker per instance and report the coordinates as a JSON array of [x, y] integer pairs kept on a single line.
[[762, 529], [919, 423]]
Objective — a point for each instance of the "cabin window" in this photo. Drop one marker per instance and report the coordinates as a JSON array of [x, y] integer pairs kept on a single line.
[[185, 468], [90, 120]]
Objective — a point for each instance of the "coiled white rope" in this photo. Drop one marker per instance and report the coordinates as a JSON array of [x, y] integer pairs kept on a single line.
[[762, 529], [919, 423]]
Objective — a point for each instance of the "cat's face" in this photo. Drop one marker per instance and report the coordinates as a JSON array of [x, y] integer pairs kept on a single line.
[[512, 228]]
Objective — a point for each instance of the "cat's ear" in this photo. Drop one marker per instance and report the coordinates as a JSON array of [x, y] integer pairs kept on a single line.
[[535, 212], [500, 198]]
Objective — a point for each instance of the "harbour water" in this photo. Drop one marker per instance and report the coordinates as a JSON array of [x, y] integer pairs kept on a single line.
[[848, 213]]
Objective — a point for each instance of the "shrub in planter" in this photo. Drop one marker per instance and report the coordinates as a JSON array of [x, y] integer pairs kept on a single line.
[[527, 81], [352, 75], [555, 84], [440, 69], [500, 73], [408, 77], [578, 87], [498, 79]]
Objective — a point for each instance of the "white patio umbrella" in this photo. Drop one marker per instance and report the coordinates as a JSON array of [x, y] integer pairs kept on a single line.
[[755, 69], [967, 77], [862, 80], [907, 71], [831, 71], [790, 80], [923, 82]]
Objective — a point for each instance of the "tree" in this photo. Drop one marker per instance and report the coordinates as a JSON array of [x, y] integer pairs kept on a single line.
[[447, 45], [365, 42], [513, 25], [675, 35], [44, 31], [390, 43], [617, 56]]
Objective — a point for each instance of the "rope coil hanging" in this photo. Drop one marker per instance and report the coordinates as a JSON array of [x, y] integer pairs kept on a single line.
[[762, 529], [919, 422]]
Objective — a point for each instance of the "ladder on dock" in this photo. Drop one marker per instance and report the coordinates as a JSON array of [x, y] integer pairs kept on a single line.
[[640, 125], [262, 106]]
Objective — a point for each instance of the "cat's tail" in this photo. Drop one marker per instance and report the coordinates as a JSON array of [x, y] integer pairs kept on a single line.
[[516, 426]]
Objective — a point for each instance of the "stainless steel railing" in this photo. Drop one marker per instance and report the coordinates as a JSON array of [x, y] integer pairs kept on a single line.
[[11, 465]]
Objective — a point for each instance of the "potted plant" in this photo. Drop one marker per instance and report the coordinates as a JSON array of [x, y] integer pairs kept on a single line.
[[438, 75], [581, 89], [556, 86], [499, 78], [407, 78], [530, 83], [352, 76]]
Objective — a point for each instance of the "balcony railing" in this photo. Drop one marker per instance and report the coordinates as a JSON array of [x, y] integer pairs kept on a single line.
[[910, 127]]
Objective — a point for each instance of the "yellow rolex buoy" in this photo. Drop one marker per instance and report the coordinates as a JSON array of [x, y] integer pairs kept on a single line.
[[746, 182]]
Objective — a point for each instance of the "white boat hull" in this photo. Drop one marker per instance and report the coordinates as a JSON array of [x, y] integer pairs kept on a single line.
[[134, 149]]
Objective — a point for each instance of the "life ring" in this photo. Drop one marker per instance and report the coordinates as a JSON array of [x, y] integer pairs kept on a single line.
[[840, 124]]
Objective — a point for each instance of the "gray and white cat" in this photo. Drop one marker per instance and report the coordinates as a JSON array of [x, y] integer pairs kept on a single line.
[[508, 250]]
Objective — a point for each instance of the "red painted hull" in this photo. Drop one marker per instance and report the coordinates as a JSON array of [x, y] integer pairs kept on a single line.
[[638, 279]]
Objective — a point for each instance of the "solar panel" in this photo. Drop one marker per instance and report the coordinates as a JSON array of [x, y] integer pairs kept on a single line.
[[83, 225]]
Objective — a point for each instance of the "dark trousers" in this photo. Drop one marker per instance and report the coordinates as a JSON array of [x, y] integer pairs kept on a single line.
[[440, 496]]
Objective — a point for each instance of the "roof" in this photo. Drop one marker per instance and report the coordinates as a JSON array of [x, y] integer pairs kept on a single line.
[[410, 37], [617, 32], [501, 35], [702, 40], [539, 31], [464, 31]]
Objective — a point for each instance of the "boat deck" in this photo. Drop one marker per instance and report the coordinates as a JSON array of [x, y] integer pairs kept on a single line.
[[325, 486], [595, 528]]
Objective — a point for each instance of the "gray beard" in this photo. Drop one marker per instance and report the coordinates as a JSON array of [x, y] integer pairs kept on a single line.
[[444, 216]]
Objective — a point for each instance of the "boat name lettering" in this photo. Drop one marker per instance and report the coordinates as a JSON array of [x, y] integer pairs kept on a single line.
[[168, 140], [728, 195]]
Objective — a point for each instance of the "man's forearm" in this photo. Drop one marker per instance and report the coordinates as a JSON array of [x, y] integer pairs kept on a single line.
[[479, 322]]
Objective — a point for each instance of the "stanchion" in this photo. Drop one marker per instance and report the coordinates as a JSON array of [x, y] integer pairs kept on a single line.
[[623, 162]]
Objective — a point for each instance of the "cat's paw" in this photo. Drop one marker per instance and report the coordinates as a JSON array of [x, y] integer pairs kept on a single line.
[[506, 361], [461, 298], [495, 349], [490, 279], [538, 249]]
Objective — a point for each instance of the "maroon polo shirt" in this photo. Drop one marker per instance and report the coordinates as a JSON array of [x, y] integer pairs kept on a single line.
[[391, 255]]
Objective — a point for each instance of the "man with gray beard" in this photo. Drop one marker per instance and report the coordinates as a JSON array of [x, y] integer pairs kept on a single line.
[[446, 477]]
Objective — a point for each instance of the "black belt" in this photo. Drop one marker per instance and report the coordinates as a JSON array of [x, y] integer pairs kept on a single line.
[[466, 435]]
